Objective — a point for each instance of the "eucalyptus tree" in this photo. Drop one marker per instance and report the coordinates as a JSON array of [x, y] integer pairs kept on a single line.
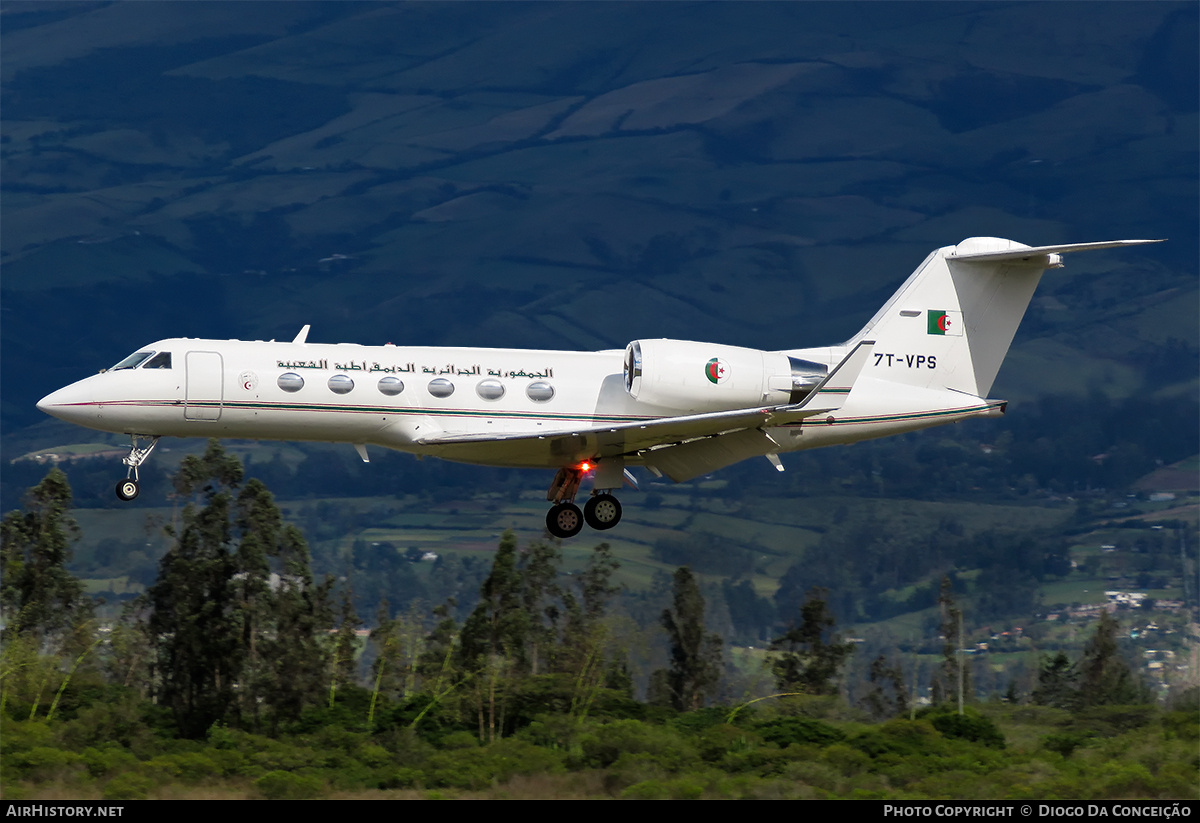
[[696, 660], [196, 617], [493, 639], [38, 593], [811, 656], [47, 617], [235, 615]]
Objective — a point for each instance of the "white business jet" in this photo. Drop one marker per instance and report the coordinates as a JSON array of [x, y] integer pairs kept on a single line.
[[678, 408]]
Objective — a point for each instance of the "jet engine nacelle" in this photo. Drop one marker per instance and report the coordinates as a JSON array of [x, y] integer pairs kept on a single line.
[[702, 377]]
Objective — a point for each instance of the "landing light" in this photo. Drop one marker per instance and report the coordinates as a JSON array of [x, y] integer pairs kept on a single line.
[[585, 466]]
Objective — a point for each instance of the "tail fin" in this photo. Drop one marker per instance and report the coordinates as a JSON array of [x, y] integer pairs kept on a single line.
[[951, 323]]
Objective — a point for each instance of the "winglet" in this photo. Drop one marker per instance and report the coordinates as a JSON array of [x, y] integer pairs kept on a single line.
[[303, 335]]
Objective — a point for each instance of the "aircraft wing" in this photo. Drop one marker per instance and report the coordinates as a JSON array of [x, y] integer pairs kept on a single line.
[[666, 444]]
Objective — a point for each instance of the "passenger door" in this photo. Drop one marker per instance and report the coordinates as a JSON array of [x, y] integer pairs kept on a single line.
[[204, 395]]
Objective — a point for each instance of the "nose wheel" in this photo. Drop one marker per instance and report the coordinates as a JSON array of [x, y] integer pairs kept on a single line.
[[128, 488]]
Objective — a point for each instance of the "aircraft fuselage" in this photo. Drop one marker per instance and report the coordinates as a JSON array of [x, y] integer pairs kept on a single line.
[[406, 398]]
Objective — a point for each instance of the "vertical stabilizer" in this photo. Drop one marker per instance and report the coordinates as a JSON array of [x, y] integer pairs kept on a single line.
[[951, 323]]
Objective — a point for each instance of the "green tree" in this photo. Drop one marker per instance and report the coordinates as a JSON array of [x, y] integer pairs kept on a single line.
[[131, 649], [1105, 678], [494, 639], [811, 655], [1057, 683], [40, 597], [586, 652], [498, 624], [952, 678], [257, 521], [398, 643], [887, 697], [301, 612], [540, 596], [345, 651], [235, 614], [195, 616], [696, 662]]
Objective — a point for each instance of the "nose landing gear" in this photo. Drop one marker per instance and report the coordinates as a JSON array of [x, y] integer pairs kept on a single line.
[[602, 511], [129, 488]]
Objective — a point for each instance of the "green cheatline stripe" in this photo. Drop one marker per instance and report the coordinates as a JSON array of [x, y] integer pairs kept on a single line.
[[395, 410], [245, 405]]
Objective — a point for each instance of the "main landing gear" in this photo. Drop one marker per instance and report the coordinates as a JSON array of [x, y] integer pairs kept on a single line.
[[128, 488], [602, 510]]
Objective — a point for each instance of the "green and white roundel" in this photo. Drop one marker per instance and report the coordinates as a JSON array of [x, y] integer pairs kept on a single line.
[[716, 371]]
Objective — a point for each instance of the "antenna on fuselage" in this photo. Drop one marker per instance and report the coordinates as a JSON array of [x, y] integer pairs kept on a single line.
[[303, 335]]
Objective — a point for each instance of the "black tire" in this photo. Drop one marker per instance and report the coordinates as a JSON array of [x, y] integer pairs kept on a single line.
[[602, 511], [127, 490], [564, 520]]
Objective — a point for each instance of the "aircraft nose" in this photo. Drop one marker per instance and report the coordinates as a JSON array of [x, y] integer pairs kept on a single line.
[[71, 403]]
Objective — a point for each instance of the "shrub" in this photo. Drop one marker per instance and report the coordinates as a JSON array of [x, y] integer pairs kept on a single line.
[[785, 731], [970, 726], [611, 741], [43, 763], [647, 790], [280, 785], [128, 787], [1065, 744], [107, 760], [902, 738]]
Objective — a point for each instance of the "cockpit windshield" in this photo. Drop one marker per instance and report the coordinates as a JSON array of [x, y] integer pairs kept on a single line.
[[133, 361], [162, 360]]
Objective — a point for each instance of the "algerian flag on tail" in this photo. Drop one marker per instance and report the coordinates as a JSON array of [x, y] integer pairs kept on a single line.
[[947, 323]]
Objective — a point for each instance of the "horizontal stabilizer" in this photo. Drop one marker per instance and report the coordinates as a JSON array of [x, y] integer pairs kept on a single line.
[[1030, 252]]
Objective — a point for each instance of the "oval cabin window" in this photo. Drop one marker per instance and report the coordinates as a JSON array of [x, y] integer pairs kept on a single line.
[[540, 391], [290, 382], [441, 387], [490, 389], [391, 386], [340, 384]]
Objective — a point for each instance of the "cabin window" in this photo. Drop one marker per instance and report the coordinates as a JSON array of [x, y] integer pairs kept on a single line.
[[441, 387], [539, 391], [391, 386], [162, 360], [133, 361], [291, 382], [340, 384], [490, 389]]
